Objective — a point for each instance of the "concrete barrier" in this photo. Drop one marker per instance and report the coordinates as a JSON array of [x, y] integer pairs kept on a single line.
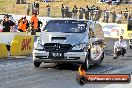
[[16, 44], [129, 34], [3, 50], [22, 45]]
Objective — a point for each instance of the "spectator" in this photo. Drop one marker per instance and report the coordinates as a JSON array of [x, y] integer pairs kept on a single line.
[[130, 22], [126, 14], [106, 16], [87, 12], [28, 9], [48, 10], [81, 13], [97, 8], [34, 23], [92, 12], [39, 26], [1, 26], [93, 7], [118, 2], [113, 17], [7, 24], [35, 6], [119, 17], [97, 15], [67, 11], [110, 2], [114, 2], [63, 11], [23, 25], [74, 12]]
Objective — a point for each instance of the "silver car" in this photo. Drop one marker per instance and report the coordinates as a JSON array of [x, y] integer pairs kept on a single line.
[[70, 41], [130, 43]]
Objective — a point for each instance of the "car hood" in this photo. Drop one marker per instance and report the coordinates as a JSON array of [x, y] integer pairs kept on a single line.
[[64, 38]]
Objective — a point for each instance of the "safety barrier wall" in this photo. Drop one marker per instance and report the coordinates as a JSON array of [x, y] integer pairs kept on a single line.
[[114, 30], [22, 45], [3, 50], [129, 34], [7, 37], [15, 44]]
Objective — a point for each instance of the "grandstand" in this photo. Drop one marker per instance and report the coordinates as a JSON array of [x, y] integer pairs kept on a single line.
[[10, 6]]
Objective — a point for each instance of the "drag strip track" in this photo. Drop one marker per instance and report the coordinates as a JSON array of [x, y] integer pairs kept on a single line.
[[20, 73]]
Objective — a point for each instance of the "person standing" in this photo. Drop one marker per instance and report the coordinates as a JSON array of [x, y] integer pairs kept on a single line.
[[106, 16], [67, 11], [92, 9], [98, 14], [1, 26], [126, 14], [81, 13], [7, 24], [63, 11], [74, 12], [87, 13], [113, 17], [40, 24], [48, 10], [23, 25], [28, 9], [34, 23], [119, 17]]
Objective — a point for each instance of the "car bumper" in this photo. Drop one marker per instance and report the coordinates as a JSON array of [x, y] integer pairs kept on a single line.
[[43, 56]]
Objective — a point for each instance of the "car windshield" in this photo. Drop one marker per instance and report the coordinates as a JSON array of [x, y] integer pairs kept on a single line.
[[66, 26]]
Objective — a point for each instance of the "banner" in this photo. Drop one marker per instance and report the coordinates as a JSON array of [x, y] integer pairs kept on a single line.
[[114, 30], [3, 49], [22, 45], [129, 34]]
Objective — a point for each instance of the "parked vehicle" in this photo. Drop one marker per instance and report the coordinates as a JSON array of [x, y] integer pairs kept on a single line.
[[70, 41], [130, 43]]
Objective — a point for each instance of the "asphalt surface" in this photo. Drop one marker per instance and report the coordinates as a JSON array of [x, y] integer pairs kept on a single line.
[[21, 73]]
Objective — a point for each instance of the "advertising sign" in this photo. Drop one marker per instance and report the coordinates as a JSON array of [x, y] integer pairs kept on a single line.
[[22, 45], [114, 30]]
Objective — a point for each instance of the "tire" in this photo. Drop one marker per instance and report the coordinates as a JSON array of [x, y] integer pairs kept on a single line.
[[130, 47], [86, 63], [100, 61], [96, 60], [37, 64]]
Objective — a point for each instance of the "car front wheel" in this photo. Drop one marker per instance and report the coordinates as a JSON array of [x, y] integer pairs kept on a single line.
[[86, 63], [37, 64]]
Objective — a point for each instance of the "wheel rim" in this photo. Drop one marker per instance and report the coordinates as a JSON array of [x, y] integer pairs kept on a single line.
[[96, 52]]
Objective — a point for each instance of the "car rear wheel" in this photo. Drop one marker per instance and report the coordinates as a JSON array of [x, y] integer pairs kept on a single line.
[[37, 64], [130, 47], [96, 55]]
